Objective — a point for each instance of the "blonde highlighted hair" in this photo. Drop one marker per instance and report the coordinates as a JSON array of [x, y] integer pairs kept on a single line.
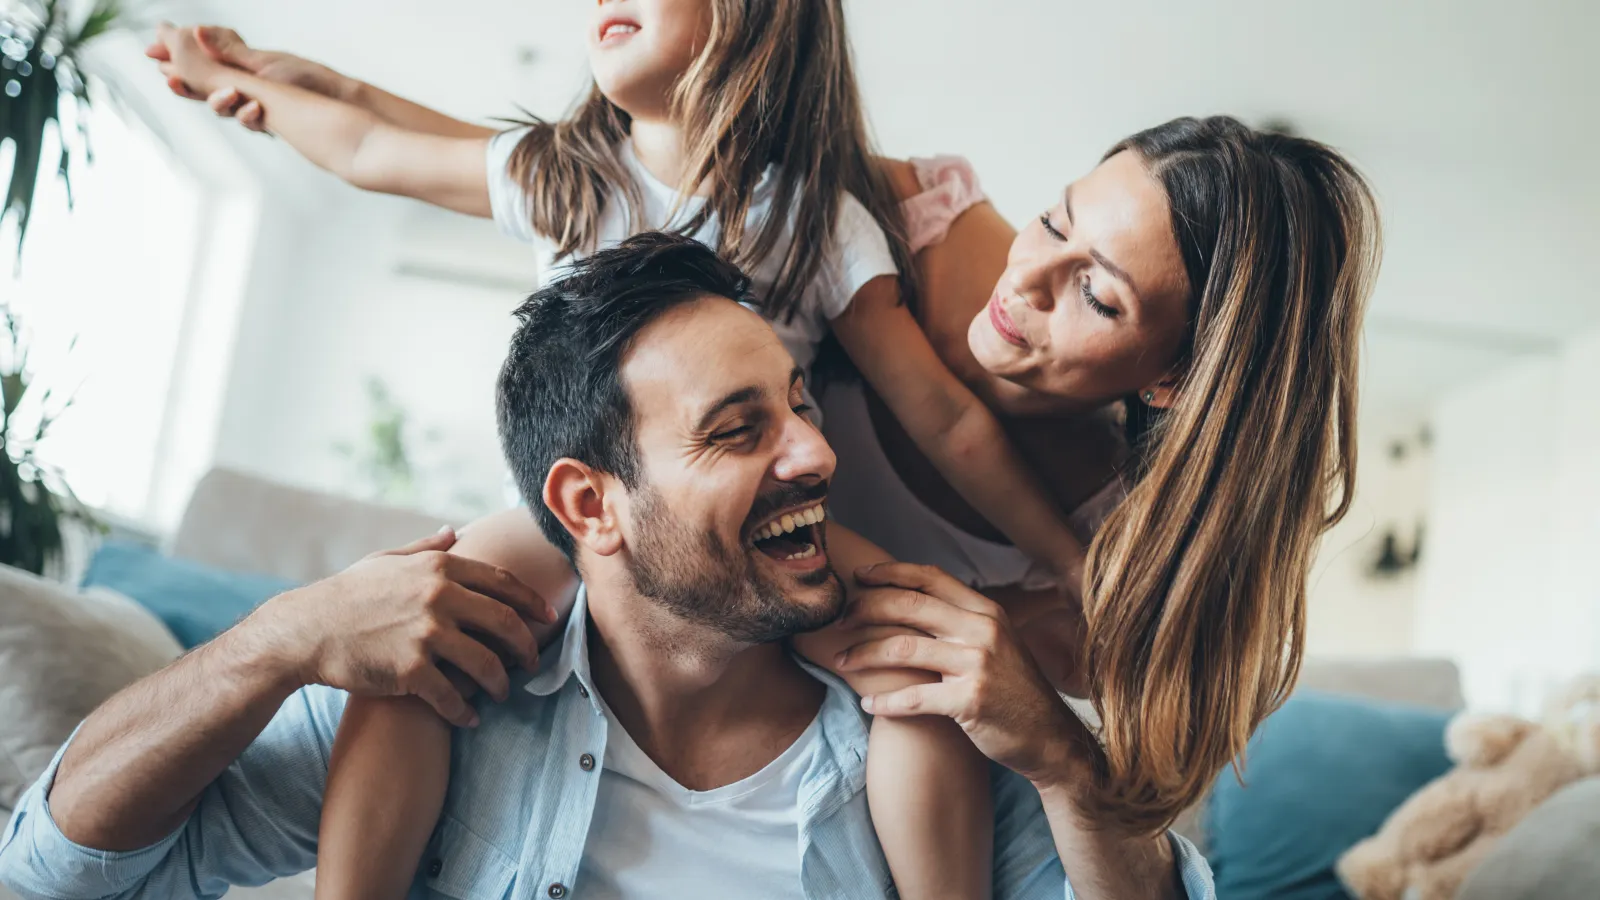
[[774, 85], [1196, 595]]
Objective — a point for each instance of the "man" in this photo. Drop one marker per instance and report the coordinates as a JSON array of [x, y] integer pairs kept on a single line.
[[661, 424]]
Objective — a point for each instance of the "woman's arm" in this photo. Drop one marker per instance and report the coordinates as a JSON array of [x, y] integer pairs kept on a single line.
[[953, 428], [353, 143], [390, 765]]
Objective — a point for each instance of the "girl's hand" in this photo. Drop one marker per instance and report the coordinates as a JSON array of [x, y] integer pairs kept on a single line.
[[989, 683], [225, 46], [191, 71]]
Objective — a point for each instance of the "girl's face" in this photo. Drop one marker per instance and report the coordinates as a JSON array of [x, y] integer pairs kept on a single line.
[[1094, 302], [639, 48]]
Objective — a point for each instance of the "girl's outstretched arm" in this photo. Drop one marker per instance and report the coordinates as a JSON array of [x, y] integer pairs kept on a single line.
[[354, 143]]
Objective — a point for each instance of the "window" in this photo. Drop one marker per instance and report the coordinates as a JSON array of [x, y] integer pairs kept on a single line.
[[114, 274]]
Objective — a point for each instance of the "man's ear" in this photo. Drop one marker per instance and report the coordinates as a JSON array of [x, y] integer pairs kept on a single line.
[[576, 494]]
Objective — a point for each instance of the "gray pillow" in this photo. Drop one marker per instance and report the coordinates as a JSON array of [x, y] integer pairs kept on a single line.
[[1550, 855], [62, 653]]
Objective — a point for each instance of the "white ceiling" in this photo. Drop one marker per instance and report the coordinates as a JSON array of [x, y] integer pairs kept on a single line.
[[1475, 120]]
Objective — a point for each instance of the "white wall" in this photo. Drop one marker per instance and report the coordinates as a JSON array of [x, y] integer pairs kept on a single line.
[[1508, 583], [328, 311], [1351, 611]]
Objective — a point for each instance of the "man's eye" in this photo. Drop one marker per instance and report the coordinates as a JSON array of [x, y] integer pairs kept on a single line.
[[802, 409], [732, 434]]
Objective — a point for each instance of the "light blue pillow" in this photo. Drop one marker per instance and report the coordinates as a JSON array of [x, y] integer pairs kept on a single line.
[[1321, 773], [195, 601]]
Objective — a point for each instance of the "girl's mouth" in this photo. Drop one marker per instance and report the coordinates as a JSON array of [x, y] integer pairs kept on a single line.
[[617, 30]]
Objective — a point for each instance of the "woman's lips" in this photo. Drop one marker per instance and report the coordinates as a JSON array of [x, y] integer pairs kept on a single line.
[[1003, 325]]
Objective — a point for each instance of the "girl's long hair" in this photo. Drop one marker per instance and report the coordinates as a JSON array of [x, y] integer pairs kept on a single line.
[[1196, 595], [775, 85]]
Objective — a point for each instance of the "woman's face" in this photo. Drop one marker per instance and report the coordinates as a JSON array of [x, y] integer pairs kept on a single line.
[[639, 48], [1094, 302]]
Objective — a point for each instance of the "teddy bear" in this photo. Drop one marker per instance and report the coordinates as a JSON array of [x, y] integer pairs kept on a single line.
[[1505, 767]]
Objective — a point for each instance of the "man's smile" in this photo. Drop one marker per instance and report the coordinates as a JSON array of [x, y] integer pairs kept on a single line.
[[793, 537]]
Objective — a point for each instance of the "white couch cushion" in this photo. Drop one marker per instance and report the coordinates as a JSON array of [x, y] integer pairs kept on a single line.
[[62, 653], [244, 523]]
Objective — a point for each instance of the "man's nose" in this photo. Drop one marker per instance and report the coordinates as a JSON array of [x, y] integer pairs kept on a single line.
[[803, 453]]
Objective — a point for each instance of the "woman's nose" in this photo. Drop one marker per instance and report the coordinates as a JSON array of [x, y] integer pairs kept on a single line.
[[1032, 285]]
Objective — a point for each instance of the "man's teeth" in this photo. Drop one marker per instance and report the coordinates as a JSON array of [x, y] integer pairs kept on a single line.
[[619, 28], [807, 553], [790, 522]]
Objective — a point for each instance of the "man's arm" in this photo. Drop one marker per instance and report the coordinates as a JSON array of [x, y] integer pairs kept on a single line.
[[255, 821], [153, 790]]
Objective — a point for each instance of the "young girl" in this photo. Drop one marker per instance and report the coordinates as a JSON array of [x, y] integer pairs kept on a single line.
[[743, 130]]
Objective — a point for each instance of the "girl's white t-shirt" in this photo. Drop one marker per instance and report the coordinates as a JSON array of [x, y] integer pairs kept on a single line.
[[859, 253]]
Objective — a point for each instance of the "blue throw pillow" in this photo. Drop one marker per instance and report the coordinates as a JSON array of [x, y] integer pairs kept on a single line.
[[195, 601], [1321, 773]]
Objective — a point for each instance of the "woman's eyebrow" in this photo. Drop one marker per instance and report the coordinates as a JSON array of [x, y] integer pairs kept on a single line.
[[1105, 262]]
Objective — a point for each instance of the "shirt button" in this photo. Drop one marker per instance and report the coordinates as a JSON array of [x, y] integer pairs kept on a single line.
[[586, 762], [435, 867], [557, 891], [583, 692]]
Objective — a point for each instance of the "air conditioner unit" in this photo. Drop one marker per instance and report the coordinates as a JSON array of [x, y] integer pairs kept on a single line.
[[465, 250]]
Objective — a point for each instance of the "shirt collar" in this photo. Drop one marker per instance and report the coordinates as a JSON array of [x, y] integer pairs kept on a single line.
[[568, 658], [843, 722]]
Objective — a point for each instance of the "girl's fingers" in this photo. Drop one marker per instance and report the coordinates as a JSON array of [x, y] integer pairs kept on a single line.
[[907, 651], [928, 580], [158, 52], [251, 117], [176, 85], [224, 101]]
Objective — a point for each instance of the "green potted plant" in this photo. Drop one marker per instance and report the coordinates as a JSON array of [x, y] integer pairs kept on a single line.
[[41, 43], [35, 499]]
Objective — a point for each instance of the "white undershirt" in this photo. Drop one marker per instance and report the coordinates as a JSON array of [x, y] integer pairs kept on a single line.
[[652, 837]]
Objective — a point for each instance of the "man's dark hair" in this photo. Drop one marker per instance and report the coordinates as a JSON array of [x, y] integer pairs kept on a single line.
[[560, 394]]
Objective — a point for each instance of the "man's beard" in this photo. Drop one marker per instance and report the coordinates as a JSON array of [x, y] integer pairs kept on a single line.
[[700, 579]]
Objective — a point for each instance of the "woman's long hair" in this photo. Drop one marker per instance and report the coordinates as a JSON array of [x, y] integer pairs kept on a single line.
[[1196, 596], [775, 85]]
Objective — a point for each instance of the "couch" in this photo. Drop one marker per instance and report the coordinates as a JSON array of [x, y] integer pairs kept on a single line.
[[240, 522]]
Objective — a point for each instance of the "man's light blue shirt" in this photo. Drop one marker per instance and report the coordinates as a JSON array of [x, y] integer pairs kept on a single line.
[[518, 812]]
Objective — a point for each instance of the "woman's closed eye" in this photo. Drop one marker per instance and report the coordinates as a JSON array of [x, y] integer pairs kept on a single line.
[[1044, 219], [1085, 289], [1100, 309]]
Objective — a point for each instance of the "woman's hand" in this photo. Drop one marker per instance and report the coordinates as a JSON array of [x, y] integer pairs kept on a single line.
[[226, 47], [989, 683]]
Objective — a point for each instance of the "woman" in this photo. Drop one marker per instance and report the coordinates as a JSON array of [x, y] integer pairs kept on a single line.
[[1205, 284]]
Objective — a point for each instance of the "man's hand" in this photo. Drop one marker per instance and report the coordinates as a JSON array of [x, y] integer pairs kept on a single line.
[[384, 626]]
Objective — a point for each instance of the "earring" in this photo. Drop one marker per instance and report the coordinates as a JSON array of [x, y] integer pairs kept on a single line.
[[1149, 397]]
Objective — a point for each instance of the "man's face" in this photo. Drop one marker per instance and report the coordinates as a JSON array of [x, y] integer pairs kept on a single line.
[[725, 528]]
